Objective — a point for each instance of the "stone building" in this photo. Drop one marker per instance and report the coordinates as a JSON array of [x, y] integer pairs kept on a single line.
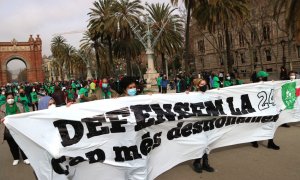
[[258, 42]]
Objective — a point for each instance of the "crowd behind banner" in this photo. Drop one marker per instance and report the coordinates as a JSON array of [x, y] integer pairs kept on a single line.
[[38, 96]]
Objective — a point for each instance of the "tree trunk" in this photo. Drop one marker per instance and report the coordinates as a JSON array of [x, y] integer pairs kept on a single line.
[[260, 59], [187, 39], [163, 63], [128, 65], [228, 60], [110, 56], [97, 57]]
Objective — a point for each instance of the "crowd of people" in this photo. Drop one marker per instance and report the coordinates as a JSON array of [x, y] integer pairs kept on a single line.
[[24, 97]]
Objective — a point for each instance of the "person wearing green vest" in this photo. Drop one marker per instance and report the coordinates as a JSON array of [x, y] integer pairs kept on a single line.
[[9, 108], [158, 82], [83, 92], [70, 94], [73, 86], [2, 98], [227, 81], [216, 81], [34, 99], [22, 98]]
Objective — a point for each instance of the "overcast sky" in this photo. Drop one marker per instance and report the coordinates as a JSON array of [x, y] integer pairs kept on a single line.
[[20, 18]]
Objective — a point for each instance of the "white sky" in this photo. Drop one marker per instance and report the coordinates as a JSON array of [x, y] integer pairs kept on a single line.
[[20, 18]]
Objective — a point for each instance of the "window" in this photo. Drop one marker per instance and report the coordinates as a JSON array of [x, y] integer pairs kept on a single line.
[[241, 40], [268, 55], [266, 32], [201, 46], [253, 36], [242, 55], [255, 59], [221, 61], [220, 41], [298, 48]]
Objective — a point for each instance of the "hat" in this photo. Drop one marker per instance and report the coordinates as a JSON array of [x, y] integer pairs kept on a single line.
[[262, 74]]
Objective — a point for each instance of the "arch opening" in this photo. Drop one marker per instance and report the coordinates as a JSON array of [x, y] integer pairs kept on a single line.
[[16, 70]]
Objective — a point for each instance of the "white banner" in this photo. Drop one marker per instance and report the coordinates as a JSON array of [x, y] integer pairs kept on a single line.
[[141, 137]]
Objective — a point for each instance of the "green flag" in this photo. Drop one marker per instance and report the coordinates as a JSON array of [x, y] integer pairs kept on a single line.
[[288, 92]]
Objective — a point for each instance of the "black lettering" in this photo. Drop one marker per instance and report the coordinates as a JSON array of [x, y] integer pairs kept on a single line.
[[197, 127], [97, 155], [92, 125], [246, 104], [146, 144], [231, 107], [196, 109], [214, 110], [141, 117], [168, 114], [64, 133], [76, 160], [130, 153], [157, 140], [220, 122], [57, 166], [187, 130], [182, 110], [175, 132]]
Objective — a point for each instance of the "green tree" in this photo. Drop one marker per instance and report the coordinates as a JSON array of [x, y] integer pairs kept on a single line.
[[189, 5], [58, 49], [224, 14], [170, 25]]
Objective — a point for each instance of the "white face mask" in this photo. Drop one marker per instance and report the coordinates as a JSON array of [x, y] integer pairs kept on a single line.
[[292, 77], [3, 93], [33, 90], [52, 106], [228, 78], [10, 101]]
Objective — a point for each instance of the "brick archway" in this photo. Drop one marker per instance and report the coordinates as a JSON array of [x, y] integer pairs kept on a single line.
[[29, 52]]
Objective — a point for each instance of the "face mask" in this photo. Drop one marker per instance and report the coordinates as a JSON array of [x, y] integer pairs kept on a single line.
[[292, 77], [33, 90], [228, 78], [3, 93], [203, 88], [131, 92], [22, 94], [10, 101], [52, 106], [104, 85]]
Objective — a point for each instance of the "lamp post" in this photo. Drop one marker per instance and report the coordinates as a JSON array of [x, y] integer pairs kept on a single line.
[[283, 42], [149, 43]]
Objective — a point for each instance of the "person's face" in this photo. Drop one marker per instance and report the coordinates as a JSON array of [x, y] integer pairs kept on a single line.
[[131, 86], [202, 83], [21, 91], [104, 80], [9, 97]]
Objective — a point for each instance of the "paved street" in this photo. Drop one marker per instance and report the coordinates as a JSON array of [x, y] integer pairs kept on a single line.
[[231, 163]]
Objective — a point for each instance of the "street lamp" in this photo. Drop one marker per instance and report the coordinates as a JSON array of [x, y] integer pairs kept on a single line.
[[148, 44]]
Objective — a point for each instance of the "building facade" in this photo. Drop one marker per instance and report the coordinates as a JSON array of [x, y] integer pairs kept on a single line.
[[258, 42]]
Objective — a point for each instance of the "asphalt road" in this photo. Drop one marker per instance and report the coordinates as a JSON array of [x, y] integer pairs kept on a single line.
[[239, 162]]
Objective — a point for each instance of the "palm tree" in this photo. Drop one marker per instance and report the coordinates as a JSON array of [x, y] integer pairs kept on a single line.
[[170, 40], [220, 13], [125, 45], [102, 28], [58, 47], [189, 5]]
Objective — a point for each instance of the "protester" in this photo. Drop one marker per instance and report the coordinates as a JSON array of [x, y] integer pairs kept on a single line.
[[59, 96], [283, 73], [227, 81], [23, 99], [93, 87], [9, 108], [105, 91], [2, 97], [158, 82], [34, 99], [164, 84], [216, 82], [128, 85], [198, 167], [263, 76]]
